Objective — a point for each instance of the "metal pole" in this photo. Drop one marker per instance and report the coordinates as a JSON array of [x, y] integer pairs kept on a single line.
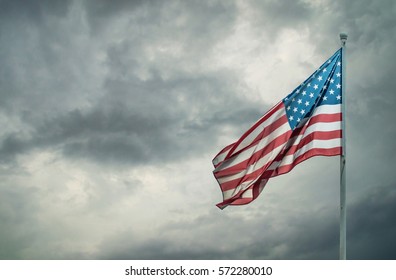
[[343, 38]]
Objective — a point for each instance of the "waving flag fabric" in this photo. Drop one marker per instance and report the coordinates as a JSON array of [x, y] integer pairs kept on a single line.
[[304, 124]]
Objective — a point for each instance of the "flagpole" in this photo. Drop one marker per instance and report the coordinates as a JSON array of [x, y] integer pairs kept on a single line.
[[343, 38]]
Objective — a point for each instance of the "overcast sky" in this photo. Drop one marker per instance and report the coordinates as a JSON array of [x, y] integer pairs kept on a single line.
[[111, 112]]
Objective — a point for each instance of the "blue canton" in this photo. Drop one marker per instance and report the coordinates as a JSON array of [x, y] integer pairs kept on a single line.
[[321, 88]]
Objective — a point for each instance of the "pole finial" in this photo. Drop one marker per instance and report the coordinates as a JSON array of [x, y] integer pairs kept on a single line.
[[343, 38]]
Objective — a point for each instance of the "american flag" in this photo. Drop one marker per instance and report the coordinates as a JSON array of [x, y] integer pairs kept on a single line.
[[304, 124]]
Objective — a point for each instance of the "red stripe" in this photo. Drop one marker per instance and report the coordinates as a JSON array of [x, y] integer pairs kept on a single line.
[[278, 141], [264, 133], [242, 201], [326, 118], [322, 118], [273, 110], [232, 201], [311, 153], [315, 135]]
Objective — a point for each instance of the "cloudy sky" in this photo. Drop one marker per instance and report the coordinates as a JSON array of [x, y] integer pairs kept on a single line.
[[111, 112]]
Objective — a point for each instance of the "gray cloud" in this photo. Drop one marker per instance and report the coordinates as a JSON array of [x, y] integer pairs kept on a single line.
[[131, 124], [277, 15], [112, 111], [371, 223]]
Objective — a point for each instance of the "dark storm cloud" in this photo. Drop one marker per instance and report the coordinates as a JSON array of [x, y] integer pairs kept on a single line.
[[196, 25], [34, 10], [362, 17], [138, 122], [134, 120], [46, 62], [133, 84], [371, 227]]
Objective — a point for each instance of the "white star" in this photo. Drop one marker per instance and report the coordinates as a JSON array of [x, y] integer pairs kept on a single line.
[[331, 91], [298, 91], [302, 112], [299, 101], [291, 118], [338, 85], [324, 70], [288, 108], [309, 84], [338, 63], [320, 78], [325, 86], [329, 61], [315, 86], [338, 97], [307, 103], [295, 109], [338, 74], [324, 98], [298, 120], [293, 100], [304, 93], [332, 81], [311, 95]]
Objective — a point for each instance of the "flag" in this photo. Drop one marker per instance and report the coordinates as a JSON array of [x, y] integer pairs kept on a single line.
[[304, 124]]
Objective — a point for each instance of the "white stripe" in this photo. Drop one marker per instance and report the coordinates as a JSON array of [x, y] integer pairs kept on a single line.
[[252, 168], [230, 193], [321, 144], [249, 138], [274, 165], [327, 109], [252, 135], [248, 194], [324, 109], [315, 144], [322, 127], [220, 157], [250, 151]]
